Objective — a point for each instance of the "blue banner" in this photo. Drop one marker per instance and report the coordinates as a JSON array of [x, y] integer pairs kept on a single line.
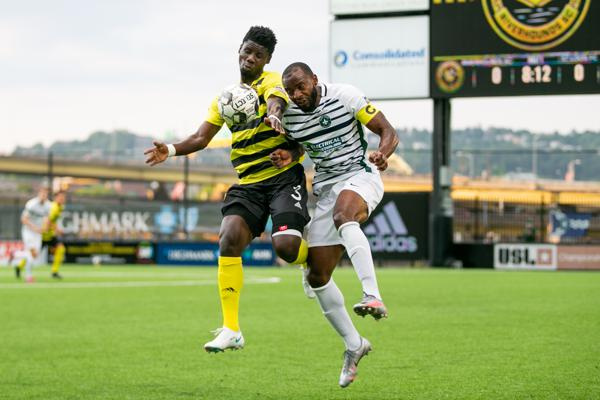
[[569, 225], [207, 254]]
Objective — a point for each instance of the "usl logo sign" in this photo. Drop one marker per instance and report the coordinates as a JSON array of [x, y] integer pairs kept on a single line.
[[525, 256], [387, 233]]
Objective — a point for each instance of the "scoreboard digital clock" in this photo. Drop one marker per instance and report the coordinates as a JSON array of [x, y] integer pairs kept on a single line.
[[514, 47]]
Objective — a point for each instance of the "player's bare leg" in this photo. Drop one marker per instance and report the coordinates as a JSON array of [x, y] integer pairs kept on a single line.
[[293, 249], [322, 261], [351, 210]]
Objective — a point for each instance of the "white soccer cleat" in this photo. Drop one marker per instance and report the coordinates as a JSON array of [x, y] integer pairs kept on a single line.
[[351, 360], [308, 290], [371, 305], [225, 338]]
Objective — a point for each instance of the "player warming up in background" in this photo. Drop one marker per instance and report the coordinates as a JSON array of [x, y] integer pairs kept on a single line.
[[327, 120], [263, 189], [50, 239], [32, 218]]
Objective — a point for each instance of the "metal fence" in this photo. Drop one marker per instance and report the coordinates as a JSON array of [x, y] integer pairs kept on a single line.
[[551, 218], [480, 217]]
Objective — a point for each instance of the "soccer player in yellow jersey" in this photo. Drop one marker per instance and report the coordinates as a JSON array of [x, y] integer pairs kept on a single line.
[[51, 231], [263, 189]]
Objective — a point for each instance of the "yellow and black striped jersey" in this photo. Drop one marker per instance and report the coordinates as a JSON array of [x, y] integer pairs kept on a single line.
[[53, 216], [252, 142]]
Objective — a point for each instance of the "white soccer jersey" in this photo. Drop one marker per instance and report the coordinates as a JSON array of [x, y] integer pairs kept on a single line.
[[332, 134], [36, 211]]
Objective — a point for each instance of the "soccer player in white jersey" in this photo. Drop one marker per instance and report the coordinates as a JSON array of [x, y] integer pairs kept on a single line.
[[33, 216], [327, 120]]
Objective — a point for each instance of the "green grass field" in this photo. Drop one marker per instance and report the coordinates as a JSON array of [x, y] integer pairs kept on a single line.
[[137, 333]]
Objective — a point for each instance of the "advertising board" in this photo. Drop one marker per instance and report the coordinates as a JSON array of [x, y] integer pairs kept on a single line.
[[508, 47], [385, 58], [525, 256], [398, 228], [350, 7], [207, 254]]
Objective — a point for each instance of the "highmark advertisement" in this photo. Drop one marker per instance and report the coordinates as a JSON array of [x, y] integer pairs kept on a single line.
[[207, 254]]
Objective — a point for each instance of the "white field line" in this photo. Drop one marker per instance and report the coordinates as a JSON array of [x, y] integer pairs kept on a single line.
[[127, 284], [153, 274]]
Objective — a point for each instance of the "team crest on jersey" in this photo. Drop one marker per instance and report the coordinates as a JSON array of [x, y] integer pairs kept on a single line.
[[325, 121], [449, 76], [535, 24]]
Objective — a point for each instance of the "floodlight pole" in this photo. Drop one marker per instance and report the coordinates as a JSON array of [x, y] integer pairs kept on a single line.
[[441, 214], [50, 174], [186, 180]]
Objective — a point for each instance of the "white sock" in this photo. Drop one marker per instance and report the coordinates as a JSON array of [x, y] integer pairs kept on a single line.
[[331, 301], [359, 251], [17, 257], [28, 265]]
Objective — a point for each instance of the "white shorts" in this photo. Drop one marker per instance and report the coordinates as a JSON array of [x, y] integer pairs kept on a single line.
[[322, 230], [31, 240]]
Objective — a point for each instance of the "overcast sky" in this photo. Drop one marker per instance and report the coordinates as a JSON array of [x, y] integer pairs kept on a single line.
[[68, 68]]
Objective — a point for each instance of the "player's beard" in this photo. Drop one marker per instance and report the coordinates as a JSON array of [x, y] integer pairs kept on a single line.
[[312, 104], [249, 76]]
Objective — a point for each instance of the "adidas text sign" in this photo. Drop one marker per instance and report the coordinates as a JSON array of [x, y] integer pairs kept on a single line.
[[398, 229], [388, 233]]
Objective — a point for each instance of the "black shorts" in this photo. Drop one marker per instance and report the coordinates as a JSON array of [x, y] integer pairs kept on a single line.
[[283, 197], [51, 244]]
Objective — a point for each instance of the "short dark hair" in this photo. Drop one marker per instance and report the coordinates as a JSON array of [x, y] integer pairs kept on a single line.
[[61, 191], [303, 66], [263, 36]]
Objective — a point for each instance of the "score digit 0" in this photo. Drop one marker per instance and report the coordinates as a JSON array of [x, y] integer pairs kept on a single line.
[[578, 73], [496, 75]]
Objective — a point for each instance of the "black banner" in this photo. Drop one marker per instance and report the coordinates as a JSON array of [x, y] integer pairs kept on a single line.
[[398, 228], [109, 252]]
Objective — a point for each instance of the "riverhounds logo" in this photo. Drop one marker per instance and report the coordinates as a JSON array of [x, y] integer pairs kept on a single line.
[[449, 76], [535, 24], [387, 232]]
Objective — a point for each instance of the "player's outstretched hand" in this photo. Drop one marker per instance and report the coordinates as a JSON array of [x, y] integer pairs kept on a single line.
[[379, 159], [281, 158], [275, 123], [156, 154]]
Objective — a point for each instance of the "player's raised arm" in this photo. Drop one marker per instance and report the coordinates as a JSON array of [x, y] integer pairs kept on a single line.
[[198, 141], [275, 108], [387, 143]]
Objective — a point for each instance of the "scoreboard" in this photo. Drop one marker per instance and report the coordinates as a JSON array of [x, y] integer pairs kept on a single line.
[[514, 47]]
